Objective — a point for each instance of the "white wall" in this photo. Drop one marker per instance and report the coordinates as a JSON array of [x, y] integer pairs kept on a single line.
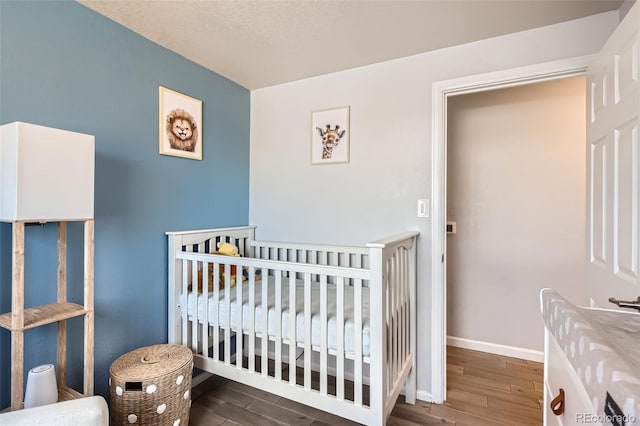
[[516, 190], [375, 194]]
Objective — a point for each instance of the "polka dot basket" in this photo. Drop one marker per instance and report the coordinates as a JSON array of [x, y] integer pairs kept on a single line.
[[152, 386]]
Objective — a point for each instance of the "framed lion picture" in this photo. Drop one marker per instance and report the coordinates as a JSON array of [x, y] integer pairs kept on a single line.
[[180, 120]]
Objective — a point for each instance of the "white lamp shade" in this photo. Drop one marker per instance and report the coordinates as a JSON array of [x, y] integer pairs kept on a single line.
[[42, 388], [46, 174]]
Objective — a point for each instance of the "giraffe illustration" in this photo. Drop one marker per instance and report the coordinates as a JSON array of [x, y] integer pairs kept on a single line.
[[330, 138]]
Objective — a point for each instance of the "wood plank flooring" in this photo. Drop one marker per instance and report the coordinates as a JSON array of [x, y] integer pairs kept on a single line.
[[482, 389]]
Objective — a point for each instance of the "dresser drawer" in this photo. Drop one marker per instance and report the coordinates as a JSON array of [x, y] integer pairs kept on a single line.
[[559, 374]]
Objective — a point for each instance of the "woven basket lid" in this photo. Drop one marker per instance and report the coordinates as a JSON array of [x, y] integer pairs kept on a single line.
[[151, 361]]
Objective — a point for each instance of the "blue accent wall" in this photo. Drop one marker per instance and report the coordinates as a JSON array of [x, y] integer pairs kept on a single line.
[[63, 65]]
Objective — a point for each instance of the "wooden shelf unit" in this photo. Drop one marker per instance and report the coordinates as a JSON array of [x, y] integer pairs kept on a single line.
[[21, 319]]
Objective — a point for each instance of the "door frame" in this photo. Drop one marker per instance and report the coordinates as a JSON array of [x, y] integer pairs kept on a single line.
[[441, 91]]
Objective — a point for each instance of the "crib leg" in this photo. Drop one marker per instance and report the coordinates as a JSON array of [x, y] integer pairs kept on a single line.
[[379, 421], [410, 387]]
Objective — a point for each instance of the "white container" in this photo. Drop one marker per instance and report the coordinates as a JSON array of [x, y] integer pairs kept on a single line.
[[42, 388], [46, 174]]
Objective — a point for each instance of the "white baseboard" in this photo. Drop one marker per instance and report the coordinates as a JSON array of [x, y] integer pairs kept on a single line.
[[494, 348], [424, 395]]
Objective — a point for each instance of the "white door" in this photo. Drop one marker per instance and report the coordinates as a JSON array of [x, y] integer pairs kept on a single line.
[[613, 190]]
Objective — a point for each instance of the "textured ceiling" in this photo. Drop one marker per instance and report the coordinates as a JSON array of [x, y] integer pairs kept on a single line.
[[259, 43]]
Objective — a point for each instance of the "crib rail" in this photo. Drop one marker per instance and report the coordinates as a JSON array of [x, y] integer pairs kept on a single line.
[[270, 354], [203, 240], [350, 257], [329, 255]]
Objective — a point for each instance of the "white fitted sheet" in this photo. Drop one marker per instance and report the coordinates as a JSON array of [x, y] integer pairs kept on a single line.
[[349, 329]]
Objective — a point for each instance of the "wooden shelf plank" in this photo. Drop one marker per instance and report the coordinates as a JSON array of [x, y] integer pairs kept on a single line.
[[45, 314]]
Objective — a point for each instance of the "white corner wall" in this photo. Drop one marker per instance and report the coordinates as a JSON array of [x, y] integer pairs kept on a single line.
[[516, 170], [375, 194]]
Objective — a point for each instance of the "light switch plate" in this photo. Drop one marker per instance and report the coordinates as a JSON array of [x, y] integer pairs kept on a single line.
[[423, 207]]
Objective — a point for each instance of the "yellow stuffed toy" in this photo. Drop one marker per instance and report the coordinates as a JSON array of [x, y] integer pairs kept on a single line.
[[227, 249], [231, 250], [224, 249]]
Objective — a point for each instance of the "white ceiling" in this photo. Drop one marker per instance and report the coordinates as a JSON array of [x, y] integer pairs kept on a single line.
[[259, 43]]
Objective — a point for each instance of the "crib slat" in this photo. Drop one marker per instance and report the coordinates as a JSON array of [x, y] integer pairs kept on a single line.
[[401, 278], [322, 259], [340, 339], [307, 331], [400, 307], [278, 336], [264, 318], [205, 313], [397, 284], [323, 335], [185, 309], [400, 285], [391, 299], [408, 304], [194, 317], [389, 324], [216, 312], [390, 302], [252, 322], [357, 261], [293, 314], [239, 313], [227, 307], [405, 295], [357, 317], [394, 343]]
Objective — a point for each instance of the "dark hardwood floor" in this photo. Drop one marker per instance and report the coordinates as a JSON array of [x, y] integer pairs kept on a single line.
[[482, 389]]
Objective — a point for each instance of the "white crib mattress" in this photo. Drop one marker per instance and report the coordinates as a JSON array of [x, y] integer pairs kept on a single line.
[[349, 329]]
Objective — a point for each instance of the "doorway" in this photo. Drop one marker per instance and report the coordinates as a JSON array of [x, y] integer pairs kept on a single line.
[[516, 167], [441, 92]]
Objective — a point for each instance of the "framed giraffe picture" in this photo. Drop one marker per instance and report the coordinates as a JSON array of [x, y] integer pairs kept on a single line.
[[330, 136]]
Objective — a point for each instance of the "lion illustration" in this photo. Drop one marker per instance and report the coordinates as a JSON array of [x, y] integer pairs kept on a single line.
[[182, 130]]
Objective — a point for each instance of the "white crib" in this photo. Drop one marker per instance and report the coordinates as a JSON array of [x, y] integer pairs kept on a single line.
[[353, 329]]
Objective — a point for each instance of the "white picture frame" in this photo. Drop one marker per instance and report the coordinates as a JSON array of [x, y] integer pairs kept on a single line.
[[180, 124]]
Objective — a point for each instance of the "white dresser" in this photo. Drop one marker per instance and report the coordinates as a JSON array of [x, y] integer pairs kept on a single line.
[[591, 364], [559, 374]]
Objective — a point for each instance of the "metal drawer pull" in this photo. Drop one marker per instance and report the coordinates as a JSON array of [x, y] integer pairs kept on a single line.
[[633, 304], [557, 405]]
